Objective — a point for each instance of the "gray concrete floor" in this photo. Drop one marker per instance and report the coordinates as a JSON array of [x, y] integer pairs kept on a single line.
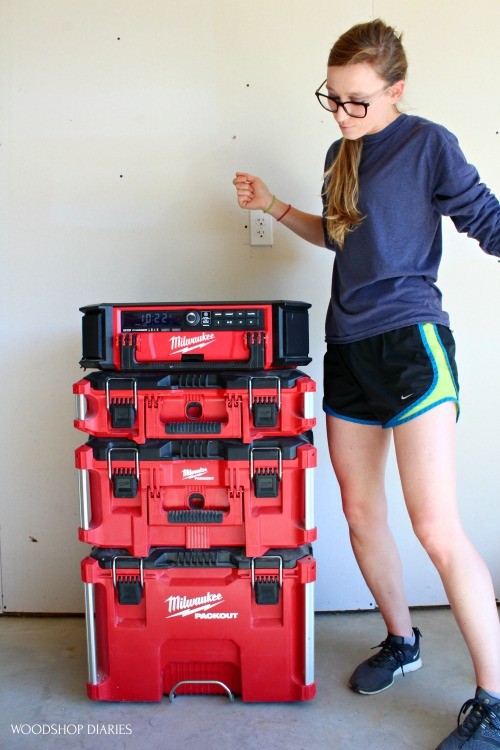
[[44, 672]]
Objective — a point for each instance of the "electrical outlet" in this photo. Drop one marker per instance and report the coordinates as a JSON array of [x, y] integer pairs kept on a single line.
[[261, 228]]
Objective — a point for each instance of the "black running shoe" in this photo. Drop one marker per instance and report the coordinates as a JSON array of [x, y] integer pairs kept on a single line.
[[480, 730], [395, 658]]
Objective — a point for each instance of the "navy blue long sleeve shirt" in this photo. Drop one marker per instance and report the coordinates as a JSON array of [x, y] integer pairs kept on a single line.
[[411, 174]]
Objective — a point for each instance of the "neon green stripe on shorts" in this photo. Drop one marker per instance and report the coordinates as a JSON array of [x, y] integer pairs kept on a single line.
[[443, 387]]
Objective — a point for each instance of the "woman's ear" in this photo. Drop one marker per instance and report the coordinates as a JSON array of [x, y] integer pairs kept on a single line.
[[397, 90]]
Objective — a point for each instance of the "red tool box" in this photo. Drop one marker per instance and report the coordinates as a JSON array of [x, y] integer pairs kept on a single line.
[[197, 493], [198, 622], [196, 336], [147, 406]]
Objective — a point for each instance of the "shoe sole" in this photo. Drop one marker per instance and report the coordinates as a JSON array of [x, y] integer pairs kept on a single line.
[[411, 667]]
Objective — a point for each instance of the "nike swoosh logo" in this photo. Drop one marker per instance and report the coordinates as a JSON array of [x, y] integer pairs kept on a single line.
[[403, 398]]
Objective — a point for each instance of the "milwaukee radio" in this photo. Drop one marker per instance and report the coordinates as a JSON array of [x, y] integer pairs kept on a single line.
[[196, 336], [196, 491]]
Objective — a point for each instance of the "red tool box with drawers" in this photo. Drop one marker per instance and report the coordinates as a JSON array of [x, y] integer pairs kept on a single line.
[[197, 493], [196, 336], [195, 622], [149, 406]]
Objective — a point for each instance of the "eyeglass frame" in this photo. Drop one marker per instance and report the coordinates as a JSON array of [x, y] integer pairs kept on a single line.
[[342, 104]]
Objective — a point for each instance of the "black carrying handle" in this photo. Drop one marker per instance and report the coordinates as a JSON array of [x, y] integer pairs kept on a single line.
[[256, 360], [198, 517], [193, 428]]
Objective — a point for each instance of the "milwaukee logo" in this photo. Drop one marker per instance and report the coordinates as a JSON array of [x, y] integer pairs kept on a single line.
[[183, 606], [198, 474], [182, 344]]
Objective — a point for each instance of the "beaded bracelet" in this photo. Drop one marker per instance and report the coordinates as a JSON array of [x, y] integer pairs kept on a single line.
[[285, 213]]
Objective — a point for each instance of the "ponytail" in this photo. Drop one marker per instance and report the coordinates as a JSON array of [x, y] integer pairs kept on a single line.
[[342, 191], [379, 45]]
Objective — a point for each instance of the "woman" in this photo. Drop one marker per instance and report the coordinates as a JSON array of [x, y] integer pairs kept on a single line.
[[389, 366]]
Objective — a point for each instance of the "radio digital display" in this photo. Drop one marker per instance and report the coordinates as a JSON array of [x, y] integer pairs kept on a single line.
[[157, 320], [190, 319]]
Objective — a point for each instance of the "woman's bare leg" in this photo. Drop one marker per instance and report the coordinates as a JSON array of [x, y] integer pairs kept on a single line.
[[425, 450], [359, 455]]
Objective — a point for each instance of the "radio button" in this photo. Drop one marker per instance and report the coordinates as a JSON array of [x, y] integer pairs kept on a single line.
[[192, 318]]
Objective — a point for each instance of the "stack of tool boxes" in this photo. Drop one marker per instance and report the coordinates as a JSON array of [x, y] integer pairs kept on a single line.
[[196, 491]]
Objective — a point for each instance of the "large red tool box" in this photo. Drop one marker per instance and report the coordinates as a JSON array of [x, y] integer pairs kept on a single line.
[[196, 336], [197, 493], [147, 406], [200, 622]]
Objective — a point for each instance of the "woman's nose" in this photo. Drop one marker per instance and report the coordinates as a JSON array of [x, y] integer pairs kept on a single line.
[[340, 115]]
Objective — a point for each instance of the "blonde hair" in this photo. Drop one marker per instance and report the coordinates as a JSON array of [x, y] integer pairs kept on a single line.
[[380, 46]]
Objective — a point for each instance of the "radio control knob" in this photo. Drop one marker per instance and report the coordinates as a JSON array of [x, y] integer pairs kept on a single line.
[[193, 318]]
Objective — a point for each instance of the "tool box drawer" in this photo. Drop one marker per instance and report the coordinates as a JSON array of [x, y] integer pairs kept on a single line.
[[197, 493], [197, 622], [145, 406]]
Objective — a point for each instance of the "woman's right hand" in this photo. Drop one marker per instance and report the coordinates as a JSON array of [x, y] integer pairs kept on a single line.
[[252, 192]]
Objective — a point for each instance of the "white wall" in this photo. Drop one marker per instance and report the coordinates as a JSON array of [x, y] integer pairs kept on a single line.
[[121, 126]]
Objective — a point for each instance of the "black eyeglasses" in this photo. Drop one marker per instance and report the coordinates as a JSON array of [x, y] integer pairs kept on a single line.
[[353, 109]]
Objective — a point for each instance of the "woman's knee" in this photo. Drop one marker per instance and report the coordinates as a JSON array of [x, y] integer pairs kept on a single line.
[[440, 540], [364, 509]]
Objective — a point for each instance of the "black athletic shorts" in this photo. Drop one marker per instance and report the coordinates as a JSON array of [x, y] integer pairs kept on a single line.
[[393, 377]]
